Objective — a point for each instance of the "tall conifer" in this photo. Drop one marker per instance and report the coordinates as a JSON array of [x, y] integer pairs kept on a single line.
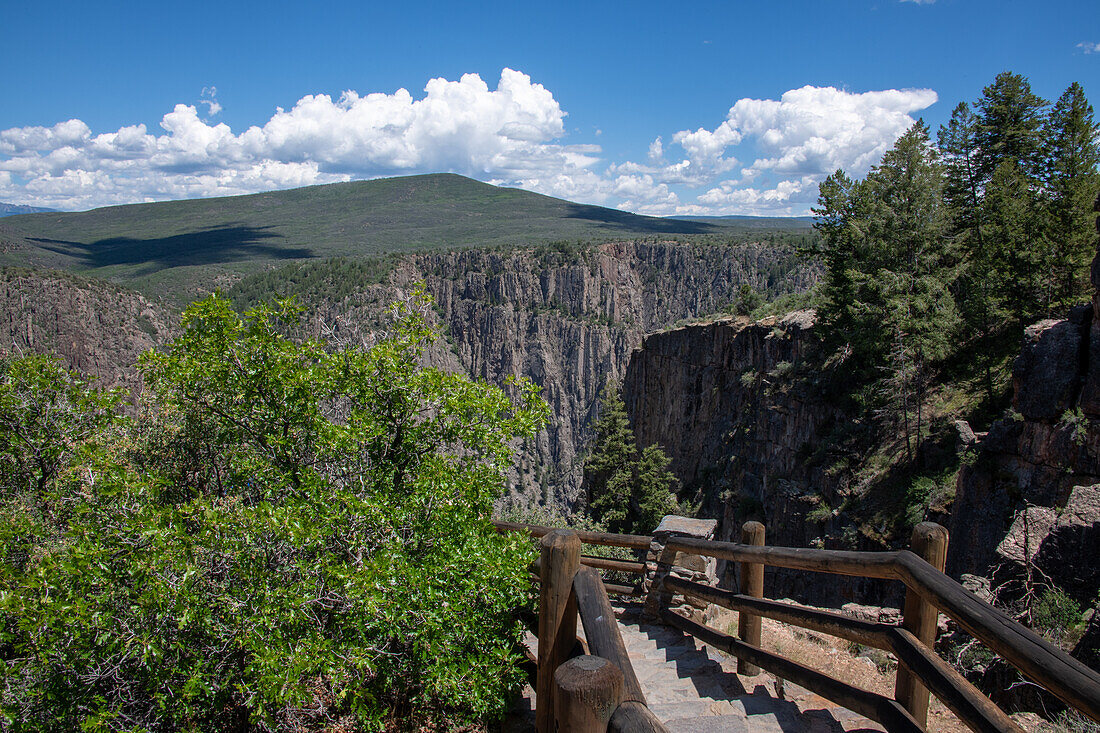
[[1072, 151]]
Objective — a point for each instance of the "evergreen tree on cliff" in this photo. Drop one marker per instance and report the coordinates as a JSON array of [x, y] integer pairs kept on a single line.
[[1072, 183], [977, 289], [889, 269], [627, 491], [909, 225], [1010, 163], [1010, 127]]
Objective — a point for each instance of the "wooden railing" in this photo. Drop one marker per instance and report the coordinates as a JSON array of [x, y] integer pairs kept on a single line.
[[600, 691]]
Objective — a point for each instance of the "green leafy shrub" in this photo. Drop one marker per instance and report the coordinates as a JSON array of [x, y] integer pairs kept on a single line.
[[1078, 425], [289, 538], [1055, 612], [822, 512]]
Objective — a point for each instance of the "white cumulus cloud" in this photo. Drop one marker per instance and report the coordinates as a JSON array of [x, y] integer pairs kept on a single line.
[[513, 134], [795, 140]]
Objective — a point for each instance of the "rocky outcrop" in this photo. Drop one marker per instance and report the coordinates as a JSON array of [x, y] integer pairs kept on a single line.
[[566, 316], [569, 318], [725, 401], [1026, 516], [95, 327], [1029, 506]]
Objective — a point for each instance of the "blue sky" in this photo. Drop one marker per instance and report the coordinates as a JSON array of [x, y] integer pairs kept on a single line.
[[720, 108]]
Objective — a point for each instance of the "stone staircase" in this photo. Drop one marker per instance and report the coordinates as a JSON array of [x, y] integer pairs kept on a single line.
[[692, 688]]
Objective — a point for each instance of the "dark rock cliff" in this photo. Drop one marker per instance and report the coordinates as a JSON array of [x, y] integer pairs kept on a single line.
[[569, 320], [567, 317], [96, 328], [724, 401]]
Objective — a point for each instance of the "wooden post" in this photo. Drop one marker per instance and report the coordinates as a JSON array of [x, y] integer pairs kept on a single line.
[[587, 690], [921, 618], [752, 584], [560, 558]]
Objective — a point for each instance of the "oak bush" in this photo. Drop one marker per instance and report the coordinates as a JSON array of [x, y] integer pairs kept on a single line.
[[289, 537]]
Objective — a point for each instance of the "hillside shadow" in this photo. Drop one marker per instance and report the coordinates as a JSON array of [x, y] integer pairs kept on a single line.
[[625, 221], [210, 246]]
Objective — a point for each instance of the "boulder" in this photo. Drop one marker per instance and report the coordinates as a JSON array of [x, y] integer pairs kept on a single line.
[[1069, 554], [1030, 528], [1046, 375]]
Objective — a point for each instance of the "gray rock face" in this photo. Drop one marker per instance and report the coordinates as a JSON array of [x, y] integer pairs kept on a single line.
[[1030, 498], [96, 328], [1047, 374], [569, 321], [1029, 528], [1033, 467], [567, 318], [1071, 550], [719, 398]]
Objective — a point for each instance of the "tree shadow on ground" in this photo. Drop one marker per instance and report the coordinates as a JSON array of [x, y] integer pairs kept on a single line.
[[211, 245]]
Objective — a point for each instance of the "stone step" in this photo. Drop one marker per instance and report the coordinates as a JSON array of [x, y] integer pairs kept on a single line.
[[709, 724], [692, 709], [693, 688]]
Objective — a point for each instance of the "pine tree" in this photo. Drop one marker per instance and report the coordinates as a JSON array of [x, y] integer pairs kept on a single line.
[[1010, 163], [1010, 127], [1071, 181], [908, 225], [839, 222], [653, 497], [958, 145], [977, 295], [607, 470], [1017, 249], [628, 492]]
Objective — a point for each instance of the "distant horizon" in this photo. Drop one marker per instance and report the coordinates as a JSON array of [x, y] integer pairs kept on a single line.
[[714, 110], [9, 209]]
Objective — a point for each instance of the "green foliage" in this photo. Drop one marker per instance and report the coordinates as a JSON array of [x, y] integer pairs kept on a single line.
[[1013, 232], [1011, 126], [1072, 154], [1055, 612], [820, 513], [1077, 423], [747, 301], [628, 491], [330, 280], [290, 536], [47, 417], [886, 300]]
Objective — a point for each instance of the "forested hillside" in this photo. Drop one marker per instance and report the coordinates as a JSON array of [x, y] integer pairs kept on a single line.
[[182, 249]]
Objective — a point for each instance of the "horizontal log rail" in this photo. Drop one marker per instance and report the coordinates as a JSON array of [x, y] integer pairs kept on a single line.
[[620, 566], [826, 622], [956, 692], [1039, 660], [629, 591], [920, 670], [878, 708]]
